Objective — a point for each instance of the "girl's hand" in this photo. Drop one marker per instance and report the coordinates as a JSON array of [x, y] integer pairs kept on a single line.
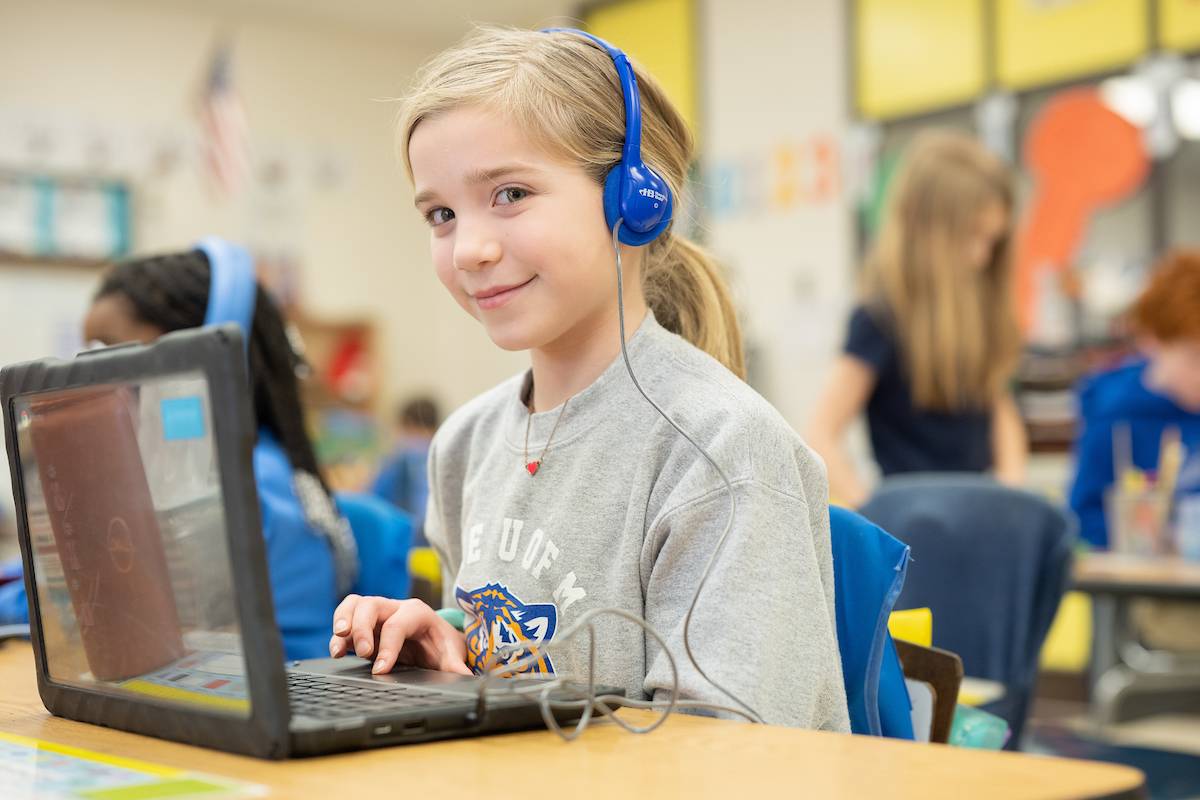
[[397, 632]]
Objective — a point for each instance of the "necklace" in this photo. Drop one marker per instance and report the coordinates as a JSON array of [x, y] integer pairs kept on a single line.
[[533, 466]]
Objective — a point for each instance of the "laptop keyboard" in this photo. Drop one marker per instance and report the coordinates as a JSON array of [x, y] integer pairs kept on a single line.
[[327, 698]]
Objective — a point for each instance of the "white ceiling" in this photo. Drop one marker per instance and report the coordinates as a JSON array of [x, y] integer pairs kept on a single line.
[[433, 22]]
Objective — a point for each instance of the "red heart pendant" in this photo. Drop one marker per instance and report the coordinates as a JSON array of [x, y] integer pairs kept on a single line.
[[532, 466]]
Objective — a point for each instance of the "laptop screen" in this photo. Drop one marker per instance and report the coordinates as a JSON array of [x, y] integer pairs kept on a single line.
[[127, 526]]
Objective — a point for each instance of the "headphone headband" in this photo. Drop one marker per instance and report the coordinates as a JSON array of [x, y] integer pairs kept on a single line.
[[233, 288], [632, 148], [634, 195]]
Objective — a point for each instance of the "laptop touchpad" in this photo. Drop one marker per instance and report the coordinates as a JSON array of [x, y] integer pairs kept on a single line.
[[352, 667]]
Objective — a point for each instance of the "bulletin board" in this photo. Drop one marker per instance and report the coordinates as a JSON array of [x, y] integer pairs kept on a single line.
[[60, 218], [1040, 42], [917, 55], [1179, 24], [661, 36]]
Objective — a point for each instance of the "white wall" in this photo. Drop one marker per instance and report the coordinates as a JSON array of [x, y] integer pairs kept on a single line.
[[775, 84], [137, 66]]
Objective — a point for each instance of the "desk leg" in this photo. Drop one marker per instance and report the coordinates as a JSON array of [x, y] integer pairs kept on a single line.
[[1120, 665], [1109, 676]]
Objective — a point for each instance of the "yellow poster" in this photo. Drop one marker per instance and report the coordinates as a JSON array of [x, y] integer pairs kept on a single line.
[[1179, 24], [1046, 41], [916, 55], [661, 36]]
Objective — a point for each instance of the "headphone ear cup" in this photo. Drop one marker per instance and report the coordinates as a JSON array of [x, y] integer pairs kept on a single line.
[[631, 237], [663, 224], [613, 197]]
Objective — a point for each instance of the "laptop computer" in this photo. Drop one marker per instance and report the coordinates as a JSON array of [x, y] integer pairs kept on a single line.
[[146, 568]]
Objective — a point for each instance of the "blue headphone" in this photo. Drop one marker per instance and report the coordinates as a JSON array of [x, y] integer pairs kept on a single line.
[[233, 288], [633, 193]]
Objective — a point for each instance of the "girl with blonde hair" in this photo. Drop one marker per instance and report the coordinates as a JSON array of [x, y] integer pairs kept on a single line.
[[934, 342], [562, 490]]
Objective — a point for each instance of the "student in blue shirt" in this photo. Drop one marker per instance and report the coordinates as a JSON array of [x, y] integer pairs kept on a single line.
[[403, 478], [310, 550], [934, 341], [1157, 391]]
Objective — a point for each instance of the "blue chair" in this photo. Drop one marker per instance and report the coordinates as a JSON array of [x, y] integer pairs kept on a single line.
[[14, 608], [384, 535], [992, 563], [869, 568]]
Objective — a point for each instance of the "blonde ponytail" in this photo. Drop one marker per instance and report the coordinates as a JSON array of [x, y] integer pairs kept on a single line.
[[688, 295]]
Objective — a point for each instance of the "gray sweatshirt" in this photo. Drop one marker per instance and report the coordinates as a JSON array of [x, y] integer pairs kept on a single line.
[[624, 513]]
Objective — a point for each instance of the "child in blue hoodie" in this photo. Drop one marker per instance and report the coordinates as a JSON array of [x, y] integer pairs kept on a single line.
[[1154, 393], [403, 479], [310, 549]]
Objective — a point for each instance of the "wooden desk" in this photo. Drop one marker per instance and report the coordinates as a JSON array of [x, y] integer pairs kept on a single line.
[[1116, 574], [689, 756], [1121, 666]]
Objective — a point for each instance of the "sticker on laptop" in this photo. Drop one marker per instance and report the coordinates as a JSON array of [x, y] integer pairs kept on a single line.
[[182, 418]]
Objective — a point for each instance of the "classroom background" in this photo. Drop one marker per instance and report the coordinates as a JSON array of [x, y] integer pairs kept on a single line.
[[135, 127]]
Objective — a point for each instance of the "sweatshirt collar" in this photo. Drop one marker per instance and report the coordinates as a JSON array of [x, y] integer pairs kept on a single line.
[[586, 408]]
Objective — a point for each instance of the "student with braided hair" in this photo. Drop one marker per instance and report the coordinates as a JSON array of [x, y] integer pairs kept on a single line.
[[310, 550]]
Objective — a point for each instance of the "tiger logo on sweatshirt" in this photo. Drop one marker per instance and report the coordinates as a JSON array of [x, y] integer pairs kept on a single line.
[[497, 617]]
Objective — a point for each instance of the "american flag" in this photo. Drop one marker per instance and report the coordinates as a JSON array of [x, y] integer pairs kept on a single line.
[[225, 135]]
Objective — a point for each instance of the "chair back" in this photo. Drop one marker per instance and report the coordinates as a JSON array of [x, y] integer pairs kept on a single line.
[[384, 535], [992, 563]]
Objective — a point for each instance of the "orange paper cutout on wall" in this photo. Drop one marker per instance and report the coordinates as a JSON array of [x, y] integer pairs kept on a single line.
[[1083, 156]]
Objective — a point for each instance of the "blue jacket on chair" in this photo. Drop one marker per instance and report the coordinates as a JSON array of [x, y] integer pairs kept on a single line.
[[869, 568]]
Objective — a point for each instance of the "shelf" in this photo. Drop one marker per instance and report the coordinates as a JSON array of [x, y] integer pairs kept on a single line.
[[11, 259], [319, 397], [1058, 437], [323, 339]]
